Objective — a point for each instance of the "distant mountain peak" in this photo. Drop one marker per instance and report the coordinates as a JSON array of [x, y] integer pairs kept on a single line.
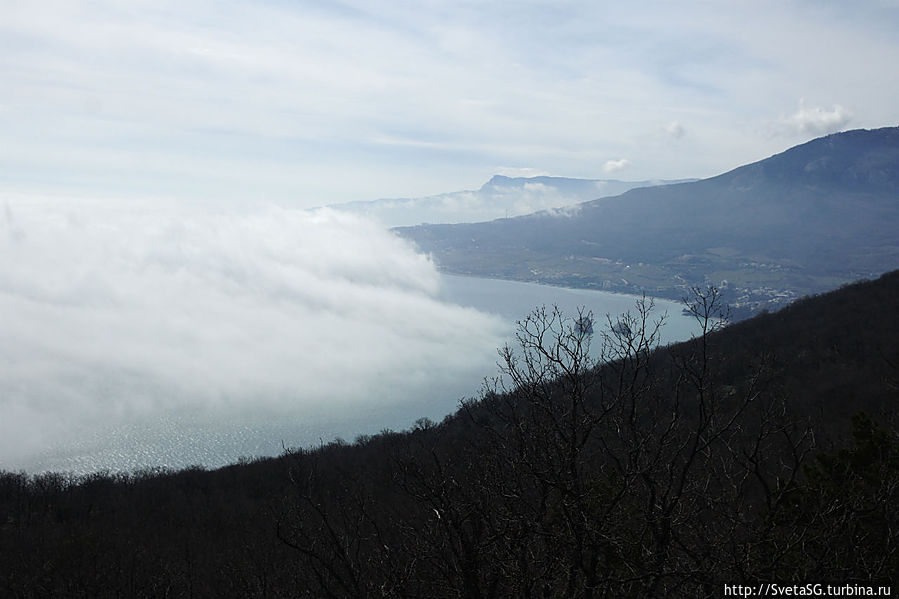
[[601, 187], [497, 180], [504, 181]]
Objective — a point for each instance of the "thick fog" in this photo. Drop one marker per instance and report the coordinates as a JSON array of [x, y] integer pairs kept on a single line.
[[116, 314], [471, 206]]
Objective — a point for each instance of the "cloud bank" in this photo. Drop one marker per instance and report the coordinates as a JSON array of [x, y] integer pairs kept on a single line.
[[470, 205], [501, 197], [117, 313]]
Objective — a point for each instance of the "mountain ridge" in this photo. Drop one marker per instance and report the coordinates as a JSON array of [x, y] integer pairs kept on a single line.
[[802, 221]]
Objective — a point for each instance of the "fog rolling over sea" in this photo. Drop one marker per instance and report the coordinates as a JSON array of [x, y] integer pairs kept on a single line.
[[146, 335]]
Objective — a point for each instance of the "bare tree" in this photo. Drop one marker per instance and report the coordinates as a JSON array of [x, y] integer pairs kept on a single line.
[[643, 471], [597, 464]]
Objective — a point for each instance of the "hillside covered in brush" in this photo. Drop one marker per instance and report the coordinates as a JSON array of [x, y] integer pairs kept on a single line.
[[762, 451]]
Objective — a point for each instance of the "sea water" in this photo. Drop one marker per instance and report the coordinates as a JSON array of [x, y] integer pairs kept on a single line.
[[212, 438]]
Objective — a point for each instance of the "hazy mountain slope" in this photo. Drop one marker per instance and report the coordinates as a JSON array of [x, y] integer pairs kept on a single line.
[[500, 197], [802, 221]]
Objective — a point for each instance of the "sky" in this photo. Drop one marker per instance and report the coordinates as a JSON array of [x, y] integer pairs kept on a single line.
[[312, 103]]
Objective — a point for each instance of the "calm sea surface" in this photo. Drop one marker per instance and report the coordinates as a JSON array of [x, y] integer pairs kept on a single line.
[[176, 440], [513, 300]]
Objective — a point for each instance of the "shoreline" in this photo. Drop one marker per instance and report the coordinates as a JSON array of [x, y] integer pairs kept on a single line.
[[558, 286]]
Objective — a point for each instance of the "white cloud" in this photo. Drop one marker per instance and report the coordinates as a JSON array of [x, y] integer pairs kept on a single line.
[[114, 313], [513, 171], [816, 120], [613, 166], [675, 130]]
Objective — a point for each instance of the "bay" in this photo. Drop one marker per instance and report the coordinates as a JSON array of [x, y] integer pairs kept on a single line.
[[514, 300]]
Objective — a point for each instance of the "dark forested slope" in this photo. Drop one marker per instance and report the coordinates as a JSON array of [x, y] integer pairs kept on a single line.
[[662, 472], [804, 221]]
